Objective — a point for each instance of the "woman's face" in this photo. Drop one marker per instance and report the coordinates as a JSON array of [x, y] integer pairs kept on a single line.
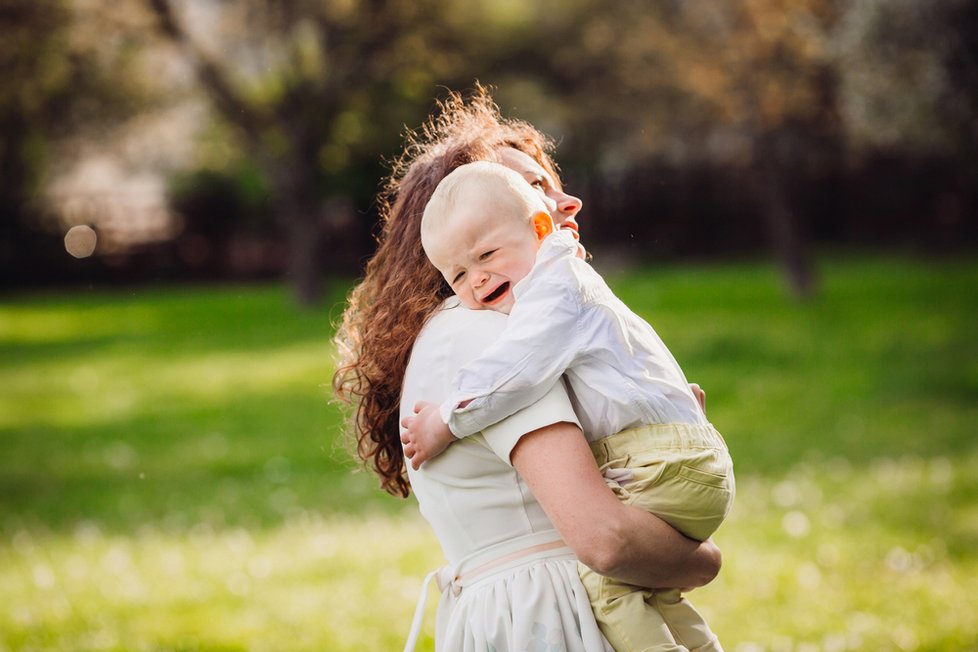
[[563, 207]]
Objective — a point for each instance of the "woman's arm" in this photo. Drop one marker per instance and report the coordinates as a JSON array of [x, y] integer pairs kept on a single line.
[[608, 536]]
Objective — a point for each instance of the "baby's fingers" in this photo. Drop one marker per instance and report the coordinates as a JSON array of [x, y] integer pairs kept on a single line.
[[699, 394], [417, 459]]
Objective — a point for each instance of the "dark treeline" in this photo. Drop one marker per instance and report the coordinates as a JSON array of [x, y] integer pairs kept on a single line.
[[690, 128]]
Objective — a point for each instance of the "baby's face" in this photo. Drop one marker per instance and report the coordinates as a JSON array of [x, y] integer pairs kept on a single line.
[[484, 251]]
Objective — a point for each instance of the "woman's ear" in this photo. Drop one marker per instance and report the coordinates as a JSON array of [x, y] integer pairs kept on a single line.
[[543, 225]]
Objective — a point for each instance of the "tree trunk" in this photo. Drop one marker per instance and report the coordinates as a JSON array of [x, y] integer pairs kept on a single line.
[[304, 233], [786, 234]]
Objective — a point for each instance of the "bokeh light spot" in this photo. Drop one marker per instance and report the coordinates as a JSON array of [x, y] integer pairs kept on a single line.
[[80, 241], [796, 524]]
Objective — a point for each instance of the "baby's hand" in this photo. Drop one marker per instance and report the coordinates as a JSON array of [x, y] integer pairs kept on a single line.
[[571, 227], [426, 435], [700, 395]]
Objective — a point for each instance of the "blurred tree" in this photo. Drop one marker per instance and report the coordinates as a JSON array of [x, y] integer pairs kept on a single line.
[[745, 85], [217, 209], [907, 74], [315, 92], [780, 93], [736, 108], [56, 87]]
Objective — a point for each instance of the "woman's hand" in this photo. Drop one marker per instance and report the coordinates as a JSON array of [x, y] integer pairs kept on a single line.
[[571, 227]]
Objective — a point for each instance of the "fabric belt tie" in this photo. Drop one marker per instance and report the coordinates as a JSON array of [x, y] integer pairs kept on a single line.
[[478, 565]]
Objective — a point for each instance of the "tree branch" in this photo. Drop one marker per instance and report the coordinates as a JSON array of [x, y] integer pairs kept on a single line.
[[211, 77]]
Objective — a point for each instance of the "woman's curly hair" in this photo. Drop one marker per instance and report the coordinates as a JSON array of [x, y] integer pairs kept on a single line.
[[400, 288]]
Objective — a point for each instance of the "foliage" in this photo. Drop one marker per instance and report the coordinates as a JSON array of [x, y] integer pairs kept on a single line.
[[172, 477], [903, 74], [57, 81], [313, 92], [781, 101]]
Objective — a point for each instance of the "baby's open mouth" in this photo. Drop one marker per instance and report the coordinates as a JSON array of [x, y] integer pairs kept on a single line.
[[497, 293]]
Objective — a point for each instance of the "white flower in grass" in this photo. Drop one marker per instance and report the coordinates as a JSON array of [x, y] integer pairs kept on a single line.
[[796, 524]]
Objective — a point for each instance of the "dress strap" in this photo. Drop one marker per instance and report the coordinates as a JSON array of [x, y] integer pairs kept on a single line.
[[418, 619]]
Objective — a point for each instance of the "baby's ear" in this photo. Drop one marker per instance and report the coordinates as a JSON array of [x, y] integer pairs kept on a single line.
[[543, 225]]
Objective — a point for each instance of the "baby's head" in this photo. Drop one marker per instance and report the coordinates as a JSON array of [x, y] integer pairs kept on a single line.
[[481, 230]]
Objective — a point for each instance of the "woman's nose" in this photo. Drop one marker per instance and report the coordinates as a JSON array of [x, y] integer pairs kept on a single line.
[[568, 205]]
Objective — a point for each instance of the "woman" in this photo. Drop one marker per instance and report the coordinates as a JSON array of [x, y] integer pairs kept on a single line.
[[513, 507]]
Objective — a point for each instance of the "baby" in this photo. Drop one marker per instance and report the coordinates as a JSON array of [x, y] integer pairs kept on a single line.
[[490, 235]]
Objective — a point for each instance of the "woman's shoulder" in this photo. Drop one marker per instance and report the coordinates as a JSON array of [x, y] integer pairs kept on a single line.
[[453, 336], [453, 322]]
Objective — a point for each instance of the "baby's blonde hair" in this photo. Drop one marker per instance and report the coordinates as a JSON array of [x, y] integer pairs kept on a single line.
[[493, 179]]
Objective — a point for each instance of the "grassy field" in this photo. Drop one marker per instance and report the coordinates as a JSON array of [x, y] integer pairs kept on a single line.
[[172, 475]]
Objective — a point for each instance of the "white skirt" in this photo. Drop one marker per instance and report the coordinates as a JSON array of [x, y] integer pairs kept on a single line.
[[528, 603]]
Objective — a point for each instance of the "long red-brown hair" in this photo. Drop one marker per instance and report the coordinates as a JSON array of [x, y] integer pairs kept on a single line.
[[400, 289]]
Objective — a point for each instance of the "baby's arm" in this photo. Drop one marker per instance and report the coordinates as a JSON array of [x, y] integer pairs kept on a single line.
[[541, 340], [533, 351]]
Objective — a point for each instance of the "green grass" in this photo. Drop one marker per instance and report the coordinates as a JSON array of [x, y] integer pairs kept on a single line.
[[172, 476]]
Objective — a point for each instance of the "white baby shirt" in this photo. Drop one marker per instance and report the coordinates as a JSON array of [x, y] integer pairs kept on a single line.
[[566, 320]]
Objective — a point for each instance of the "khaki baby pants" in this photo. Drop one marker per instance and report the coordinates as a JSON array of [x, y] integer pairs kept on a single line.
[[683, 474]]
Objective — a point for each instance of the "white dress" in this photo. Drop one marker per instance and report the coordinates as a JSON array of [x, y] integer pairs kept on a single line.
[[513, 586]]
